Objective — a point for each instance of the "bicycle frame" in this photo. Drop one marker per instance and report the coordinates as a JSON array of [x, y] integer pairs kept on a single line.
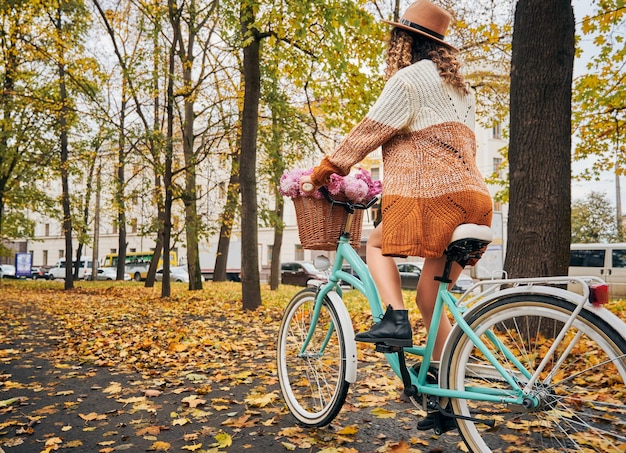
[[366, 286], [516, 394]]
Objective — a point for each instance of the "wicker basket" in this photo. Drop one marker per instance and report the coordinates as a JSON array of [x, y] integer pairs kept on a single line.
[[319, 226]]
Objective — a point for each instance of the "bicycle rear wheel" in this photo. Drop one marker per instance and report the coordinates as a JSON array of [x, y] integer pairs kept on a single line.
[[582, 390], [312, 381]]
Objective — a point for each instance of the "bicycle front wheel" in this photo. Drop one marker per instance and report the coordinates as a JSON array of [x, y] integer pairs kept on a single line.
[[312, 378], [581, 391]]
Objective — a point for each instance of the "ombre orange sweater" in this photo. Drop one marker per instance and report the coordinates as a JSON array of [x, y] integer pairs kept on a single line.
[[430, 180]]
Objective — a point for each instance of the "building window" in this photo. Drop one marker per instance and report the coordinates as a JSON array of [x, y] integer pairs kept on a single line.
[[270, 251], [61, 254], [46, 229], [114, 228], [132, 250], [113, 251], [133, 225], [497, 167], [45, 258], [375, 214], [497, 131], [299, 252], [375, 173]]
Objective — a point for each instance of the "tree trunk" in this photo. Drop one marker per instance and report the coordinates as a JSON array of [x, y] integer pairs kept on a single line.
[[167, 177], [278, 242], [540, 145], [120, 185], [65, 196], [228, 217], [84, 232], [251, 288], [192, 221]]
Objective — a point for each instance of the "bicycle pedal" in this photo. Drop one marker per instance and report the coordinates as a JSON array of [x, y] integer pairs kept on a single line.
[[387, 348]]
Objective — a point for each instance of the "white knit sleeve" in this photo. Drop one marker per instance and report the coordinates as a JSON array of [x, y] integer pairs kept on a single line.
[[394, 105], [390, 114]]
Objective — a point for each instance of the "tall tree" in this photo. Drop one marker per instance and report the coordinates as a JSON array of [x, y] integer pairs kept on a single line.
[[142, 85], [593, 220], [251, 72], [325, 47], [540, 144], [68, 20], [190, 22], [600, 92], [25, 122]]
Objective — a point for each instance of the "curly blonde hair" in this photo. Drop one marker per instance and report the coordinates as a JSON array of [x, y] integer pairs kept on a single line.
[[406, 48]]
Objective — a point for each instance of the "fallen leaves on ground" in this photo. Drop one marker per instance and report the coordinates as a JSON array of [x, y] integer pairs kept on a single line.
[[120, 367]]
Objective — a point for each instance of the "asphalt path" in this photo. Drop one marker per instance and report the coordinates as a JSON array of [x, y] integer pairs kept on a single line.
[[50, 402]]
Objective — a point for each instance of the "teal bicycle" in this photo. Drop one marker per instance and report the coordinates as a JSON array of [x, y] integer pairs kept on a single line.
[[528, 366]]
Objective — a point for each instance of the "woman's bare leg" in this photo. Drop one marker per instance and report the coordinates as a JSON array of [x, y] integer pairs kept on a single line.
[[427, 288], [384, 271], [394, 328]]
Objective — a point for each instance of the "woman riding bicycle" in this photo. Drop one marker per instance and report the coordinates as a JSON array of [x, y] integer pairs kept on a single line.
[[424, 121]]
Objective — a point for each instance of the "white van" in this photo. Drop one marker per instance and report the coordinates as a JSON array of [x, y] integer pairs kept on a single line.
[[607, 261], [58, 271]]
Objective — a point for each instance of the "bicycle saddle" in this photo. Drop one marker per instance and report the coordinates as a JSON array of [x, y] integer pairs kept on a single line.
[[468, 241], [472, 231]]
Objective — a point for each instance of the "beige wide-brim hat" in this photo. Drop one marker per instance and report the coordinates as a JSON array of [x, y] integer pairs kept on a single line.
[[426, 19]]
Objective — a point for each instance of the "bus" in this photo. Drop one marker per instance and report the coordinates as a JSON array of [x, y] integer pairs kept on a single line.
[[138, 263]]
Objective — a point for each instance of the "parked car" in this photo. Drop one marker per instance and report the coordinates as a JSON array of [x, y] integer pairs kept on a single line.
[[58, 271], [177, 274], [38, 272], [7, 271], [110, 273], [299, 273], [409, 275]]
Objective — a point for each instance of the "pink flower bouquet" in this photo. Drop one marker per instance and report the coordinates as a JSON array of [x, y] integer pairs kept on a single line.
[[356, 187]]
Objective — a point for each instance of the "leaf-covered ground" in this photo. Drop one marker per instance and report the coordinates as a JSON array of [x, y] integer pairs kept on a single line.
[[113, 367]]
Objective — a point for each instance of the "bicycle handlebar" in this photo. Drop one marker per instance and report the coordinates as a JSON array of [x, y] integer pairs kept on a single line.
[[347, 205]]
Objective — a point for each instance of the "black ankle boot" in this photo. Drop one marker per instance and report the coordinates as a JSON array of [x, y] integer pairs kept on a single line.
[[394, 329]]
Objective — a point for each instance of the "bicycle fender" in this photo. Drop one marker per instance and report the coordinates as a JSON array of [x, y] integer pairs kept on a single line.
[[348, 333], [560, 293], [598, 310]]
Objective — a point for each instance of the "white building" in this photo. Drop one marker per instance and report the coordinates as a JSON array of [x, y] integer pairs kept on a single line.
[[49, 243]]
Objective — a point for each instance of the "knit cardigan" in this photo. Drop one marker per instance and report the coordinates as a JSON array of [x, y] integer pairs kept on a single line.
[[431, 181]]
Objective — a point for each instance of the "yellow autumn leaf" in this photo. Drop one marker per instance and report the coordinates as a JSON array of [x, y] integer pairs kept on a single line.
[[92, 416], [258, 400], [115, 387], [379, 412], [193, 400], [348, 430], [132, 400], [54, 441], [180, 422], [223, 440], [64, 393], [193, 447], [160, 446], [288, 446]]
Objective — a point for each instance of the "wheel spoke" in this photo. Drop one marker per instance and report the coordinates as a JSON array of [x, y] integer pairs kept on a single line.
[[312, 378], [581, 390]]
